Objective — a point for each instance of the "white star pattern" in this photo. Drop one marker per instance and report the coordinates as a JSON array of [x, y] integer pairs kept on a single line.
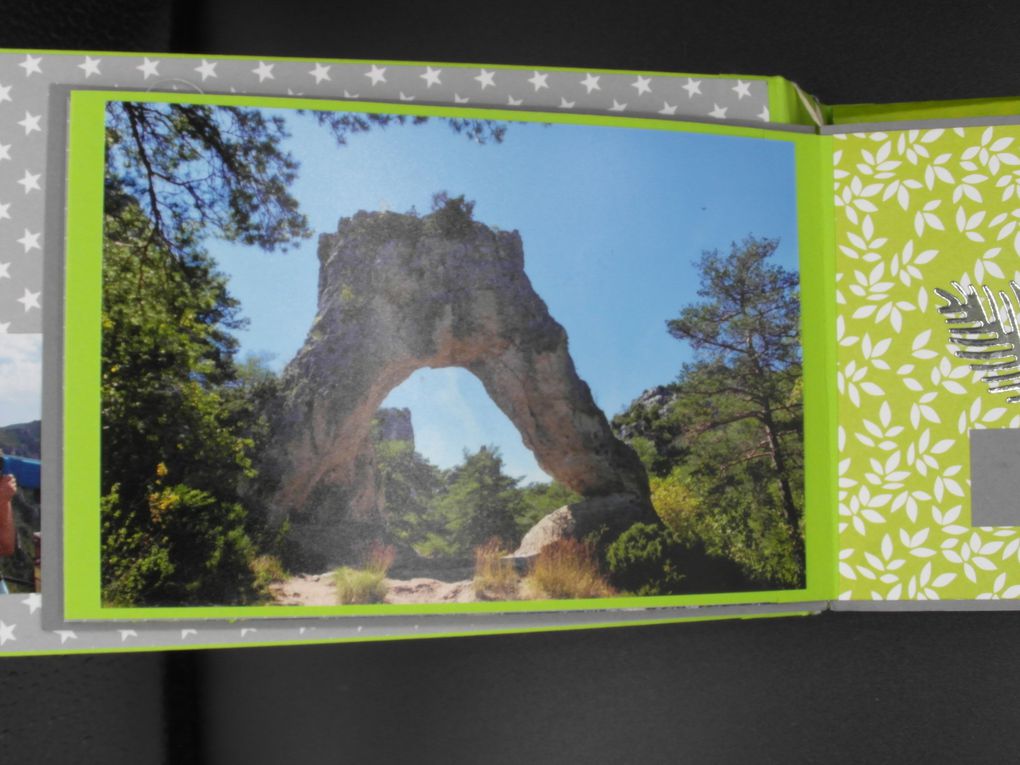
[[693, 88], [6, 632], [206, 69], [188, 632], [511, 101], [5, 151], [148, 68], [30, 299], [5, 270], [376, 74], [5, 211], [351, 95], [742, 89], [125, 634], [617, 106], [29, 241], [667, 109], [5, 93], [590, 83], [538, 80], [565, 104], [643, 85], [31, 65], [405, 98], [30, 182], [31, 123], [763, 115], [485, 79], [431, 76], [263, 71], [320, 73], [33, 601], [719, 112], [90, 66], [458, 100], [65, 635]]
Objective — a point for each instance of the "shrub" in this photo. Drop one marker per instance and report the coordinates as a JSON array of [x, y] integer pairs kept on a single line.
[[452, 216], [676, 503], [355, 586], [266, 570], [649, 559], [644, 559], [366, 584], [191, 549], [495, 577], [568, 568]]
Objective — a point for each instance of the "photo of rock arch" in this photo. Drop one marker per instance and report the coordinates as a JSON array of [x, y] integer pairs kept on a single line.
[[575, 374]]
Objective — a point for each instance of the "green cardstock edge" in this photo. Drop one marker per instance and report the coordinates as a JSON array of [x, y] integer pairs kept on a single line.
[[82, 366], [925, 110]]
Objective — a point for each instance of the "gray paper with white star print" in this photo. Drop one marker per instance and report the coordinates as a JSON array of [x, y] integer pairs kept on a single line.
[[33, 132]]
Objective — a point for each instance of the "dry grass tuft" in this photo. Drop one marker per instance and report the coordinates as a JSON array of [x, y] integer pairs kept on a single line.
[[566, 569], [356, 586], [495, 578]]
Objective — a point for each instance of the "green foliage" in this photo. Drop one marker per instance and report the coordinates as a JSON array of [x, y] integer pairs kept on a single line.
[[650, 559], [479, 502], [540, 499], [174, 409], [677, 503], [724, 442], [268, 569], [408, 484], [645, 560], [191, 549], [196, 169]]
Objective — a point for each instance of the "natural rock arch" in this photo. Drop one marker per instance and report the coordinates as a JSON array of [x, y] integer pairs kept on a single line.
[[398, 293]]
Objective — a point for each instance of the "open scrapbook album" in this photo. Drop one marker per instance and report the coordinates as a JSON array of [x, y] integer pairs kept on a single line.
[[299, 351]]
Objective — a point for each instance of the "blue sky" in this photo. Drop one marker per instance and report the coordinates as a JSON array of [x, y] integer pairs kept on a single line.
[[20, 378], [612, 220]]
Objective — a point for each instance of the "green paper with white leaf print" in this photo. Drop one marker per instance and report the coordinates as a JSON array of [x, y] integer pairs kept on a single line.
[[916, 210]]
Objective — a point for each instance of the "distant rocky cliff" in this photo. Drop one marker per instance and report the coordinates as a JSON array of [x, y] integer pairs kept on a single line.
[[394, 425], [22, 439]]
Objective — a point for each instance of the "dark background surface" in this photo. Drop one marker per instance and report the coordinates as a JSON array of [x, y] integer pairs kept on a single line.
[[832, 688]]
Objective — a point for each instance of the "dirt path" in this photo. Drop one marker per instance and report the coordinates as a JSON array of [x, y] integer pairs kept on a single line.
[[320, 590], [305, 590]]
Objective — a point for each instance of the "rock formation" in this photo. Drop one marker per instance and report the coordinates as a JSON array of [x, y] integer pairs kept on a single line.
[[394, 425], [398, 293]]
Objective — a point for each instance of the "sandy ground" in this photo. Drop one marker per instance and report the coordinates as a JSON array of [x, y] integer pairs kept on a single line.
[[320, 590]]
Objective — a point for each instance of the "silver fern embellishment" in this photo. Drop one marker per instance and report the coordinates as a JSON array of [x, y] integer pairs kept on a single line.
[[985, 333]]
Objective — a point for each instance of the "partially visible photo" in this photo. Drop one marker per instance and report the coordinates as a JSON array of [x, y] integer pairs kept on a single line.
[[20, 428]]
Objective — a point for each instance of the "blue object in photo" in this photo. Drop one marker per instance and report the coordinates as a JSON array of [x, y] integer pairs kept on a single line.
[[25, 470]]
